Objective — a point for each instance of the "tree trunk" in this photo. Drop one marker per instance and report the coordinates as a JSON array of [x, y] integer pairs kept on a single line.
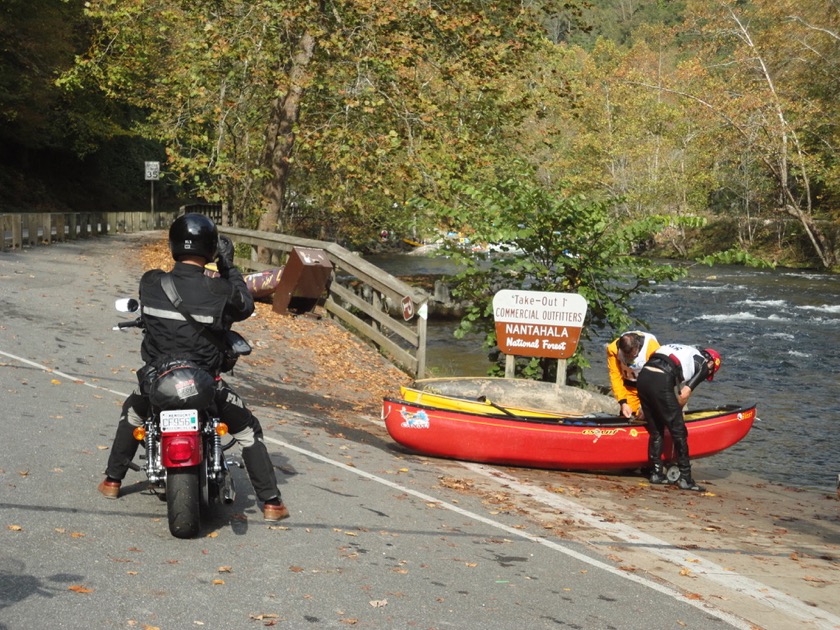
[[789, 148], [280, 141], [818, 240]]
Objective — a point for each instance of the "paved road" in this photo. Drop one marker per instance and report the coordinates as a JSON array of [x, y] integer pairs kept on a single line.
[[375, 539]]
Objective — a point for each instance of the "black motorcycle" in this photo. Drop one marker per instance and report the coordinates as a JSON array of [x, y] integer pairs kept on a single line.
[[183, 438]]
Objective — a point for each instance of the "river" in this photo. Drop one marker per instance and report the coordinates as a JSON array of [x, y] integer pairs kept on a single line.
[[778, 333]]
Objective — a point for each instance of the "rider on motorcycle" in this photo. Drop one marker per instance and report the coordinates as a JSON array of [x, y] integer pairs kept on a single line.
[[217, 303]]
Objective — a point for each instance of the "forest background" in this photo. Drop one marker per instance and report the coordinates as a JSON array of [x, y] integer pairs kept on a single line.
[[698, 127]]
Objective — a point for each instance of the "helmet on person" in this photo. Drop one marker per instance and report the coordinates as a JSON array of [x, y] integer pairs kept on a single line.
[[714, 357], [193, 235]]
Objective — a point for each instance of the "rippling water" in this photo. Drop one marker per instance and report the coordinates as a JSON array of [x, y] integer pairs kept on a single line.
[[778, 333]]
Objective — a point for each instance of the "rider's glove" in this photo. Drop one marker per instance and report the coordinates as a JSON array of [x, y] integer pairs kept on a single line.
[[224, 260]]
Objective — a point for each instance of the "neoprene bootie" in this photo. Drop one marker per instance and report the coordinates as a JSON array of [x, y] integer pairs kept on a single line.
[[657, 475], [684, 483]]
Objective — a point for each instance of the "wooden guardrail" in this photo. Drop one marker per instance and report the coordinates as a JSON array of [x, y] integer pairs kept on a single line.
[[39, 228], [374, 304], [377, 306]]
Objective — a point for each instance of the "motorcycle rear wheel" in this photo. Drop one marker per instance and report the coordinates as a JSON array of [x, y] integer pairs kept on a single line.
[[206, 494], [183, 506]]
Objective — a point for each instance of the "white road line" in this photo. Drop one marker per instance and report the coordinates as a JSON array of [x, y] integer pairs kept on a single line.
[[69, 377], [724, 616], [710, 570], [768, 596]]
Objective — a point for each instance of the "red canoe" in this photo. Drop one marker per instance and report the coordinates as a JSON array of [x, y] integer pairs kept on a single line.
[[588, 443]]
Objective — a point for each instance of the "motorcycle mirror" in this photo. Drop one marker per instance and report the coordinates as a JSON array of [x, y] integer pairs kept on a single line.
[[127, 305]]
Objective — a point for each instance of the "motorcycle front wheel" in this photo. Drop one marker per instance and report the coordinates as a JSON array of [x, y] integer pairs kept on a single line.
[[182, 501]]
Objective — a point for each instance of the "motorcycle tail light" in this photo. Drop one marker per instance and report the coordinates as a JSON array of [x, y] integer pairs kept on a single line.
[[139, 434], [221, 429], [180, 449]]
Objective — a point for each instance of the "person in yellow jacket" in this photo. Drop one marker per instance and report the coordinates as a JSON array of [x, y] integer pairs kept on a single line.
[[626, 356]]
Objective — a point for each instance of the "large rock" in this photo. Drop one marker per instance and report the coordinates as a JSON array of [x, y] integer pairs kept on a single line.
[[518, 392]]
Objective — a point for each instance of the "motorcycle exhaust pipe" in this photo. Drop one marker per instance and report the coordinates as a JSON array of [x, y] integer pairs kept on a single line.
[[228, 490]]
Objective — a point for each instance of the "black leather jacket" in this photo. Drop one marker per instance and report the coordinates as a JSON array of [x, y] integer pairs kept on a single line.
[[214, 302]]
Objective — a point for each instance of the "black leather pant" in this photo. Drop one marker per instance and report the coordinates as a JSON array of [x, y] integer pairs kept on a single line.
[[662, 409], [242, 423]]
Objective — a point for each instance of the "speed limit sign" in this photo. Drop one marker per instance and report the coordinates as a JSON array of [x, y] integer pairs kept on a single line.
[[152, 171]]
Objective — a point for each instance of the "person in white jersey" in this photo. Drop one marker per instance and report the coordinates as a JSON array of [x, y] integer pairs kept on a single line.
[[665, 384]]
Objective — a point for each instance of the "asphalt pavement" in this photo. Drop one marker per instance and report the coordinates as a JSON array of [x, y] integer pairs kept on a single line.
[[377, 538]]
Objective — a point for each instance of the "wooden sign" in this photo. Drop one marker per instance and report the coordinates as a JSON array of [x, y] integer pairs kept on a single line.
[[537, 323]]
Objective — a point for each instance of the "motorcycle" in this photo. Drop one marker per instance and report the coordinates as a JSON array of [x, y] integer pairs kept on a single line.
[[182, 436]]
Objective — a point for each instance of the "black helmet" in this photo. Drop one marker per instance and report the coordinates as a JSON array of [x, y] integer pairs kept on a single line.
[[193, 235]]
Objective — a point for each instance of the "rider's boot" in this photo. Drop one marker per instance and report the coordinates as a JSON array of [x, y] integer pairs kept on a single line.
[[687, 483], [657, 475]]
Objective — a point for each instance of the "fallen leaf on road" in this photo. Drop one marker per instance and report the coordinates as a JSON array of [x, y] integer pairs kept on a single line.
[[809, 578], [78, 588]]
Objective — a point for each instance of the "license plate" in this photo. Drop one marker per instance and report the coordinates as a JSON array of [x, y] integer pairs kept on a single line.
[[178, 420]]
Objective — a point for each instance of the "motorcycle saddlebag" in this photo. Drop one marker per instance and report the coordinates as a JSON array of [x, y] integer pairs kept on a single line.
[[182, 385]]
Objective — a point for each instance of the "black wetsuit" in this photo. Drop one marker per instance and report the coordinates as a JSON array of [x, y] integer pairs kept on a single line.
[[672, 366]]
